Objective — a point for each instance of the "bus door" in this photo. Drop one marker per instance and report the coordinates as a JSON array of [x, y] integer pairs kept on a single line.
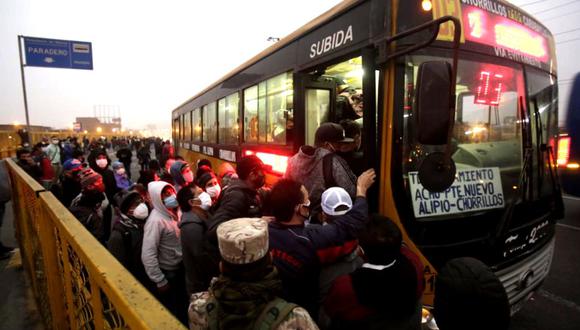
[[315, 98]]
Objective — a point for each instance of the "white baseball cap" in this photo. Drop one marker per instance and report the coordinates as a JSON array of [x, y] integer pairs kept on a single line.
[[336, 201]]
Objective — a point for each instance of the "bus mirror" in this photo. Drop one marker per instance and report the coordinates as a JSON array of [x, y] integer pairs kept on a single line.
[[433, 102]]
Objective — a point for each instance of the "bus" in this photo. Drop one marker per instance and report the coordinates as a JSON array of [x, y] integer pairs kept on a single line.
[[458, 118]]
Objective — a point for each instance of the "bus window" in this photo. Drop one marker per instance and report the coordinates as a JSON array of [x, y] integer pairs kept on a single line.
[[187, 126], [196, 125], [251, 114], [317, 106], [268, 111], [543, 93], [209, 128], [228, 119]]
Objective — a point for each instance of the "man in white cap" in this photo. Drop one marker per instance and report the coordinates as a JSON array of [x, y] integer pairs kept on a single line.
[[245, 296], [298, 250]]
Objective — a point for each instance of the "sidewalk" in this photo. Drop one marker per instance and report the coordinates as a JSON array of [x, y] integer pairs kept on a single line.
[[17, 305]]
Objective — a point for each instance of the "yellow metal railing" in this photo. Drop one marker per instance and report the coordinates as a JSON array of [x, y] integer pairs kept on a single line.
[[77, 283]]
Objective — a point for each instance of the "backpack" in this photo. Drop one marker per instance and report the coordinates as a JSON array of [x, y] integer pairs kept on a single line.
[[271, 316]]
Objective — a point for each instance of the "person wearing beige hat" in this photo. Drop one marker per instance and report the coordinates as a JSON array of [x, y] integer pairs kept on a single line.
[[245, 295]]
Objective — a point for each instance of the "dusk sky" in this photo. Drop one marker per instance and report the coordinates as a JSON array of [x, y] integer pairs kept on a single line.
[[149, 57]]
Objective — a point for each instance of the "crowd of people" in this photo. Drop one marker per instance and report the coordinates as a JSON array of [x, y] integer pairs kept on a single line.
[[220, 250]]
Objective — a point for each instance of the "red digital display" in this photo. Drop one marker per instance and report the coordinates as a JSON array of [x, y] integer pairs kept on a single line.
[[489, 90], [492, 30]]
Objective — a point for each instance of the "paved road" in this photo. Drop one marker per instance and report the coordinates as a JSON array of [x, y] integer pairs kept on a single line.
[[557, 304]]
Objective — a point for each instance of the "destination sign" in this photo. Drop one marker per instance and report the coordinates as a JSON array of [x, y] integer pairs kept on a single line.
[[499, 29], [473, 190]]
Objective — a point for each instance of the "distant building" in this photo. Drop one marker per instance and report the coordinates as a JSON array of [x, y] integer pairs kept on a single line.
[[94, 125]]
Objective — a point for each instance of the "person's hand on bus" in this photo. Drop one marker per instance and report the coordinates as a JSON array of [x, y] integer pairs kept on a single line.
[[365, 180]]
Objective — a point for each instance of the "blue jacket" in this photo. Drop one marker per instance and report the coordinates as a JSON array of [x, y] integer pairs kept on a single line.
[[295, 250]]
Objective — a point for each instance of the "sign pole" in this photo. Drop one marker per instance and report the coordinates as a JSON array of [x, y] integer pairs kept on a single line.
[[23, 83]]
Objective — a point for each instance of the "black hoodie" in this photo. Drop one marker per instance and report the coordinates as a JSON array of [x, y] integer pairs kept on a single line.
[[108, 175]]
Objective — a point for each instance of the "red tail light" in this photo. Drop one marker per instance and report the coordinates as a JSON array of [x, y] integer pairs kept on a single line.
[[277, 162], [563, 150]]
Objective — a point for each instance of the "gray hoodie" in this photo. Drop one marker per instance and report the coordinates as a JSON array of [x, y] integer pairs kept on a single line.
[[161, 239], [306, 167]]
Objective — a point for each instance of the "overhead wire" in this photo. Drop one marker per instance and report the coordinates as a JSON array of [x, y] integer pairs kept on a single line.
[[556, 7], [566, 41], [560, 16], [532, 3], [567, 31]]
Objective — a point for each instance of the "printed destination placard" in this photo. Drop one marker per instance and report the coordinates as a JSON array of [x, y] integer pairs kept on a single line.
[[473, 190]]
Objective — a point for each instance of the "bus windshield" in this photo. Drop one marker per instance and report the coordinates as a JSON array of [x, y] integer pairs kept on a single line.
[[486, 141]]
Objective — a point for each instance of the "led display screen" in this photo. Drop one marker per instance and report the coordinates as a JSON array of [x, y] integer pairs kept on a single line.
[[484, 27]]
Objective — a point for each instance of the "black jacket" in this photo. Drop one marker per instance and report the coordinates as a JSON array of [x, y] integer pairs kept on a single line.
[[125, 243], [108, 176], [125, 154], [237, 200], [297, 250], [199, 266]]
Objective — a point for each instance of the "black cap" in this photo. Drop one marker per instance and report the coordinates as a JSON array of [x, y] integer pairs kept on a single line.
[[248, 164], [330, 132]]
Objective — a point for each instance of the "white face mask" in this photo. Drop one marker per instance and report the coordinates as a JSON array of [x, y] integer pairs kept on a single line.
[[102, 163], [214, 191], [188, 177], [141, 212], [205, 200], [121, 171]]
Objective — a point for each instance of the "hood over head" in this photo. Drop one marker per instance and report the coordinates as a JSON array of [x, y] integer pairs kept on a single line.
[[155, 188], [175, 172], [92, 159]]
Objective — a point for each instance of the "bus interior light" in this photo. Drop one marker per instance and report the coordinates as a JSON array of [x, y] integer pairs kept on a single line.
[[573, 166], [427, 5], [563, 151], [277, 163]]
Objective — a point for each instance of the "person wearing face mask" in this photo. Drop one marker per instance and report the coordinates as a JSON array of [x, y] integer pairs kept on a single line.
[[53, 154], [241, 199], [195, 203], [162, 254], [126, 240], [209, 183], [319, 168], [351, 152], [121, 178], [88, 206], [181, 174], [99, 161], [297, 249]]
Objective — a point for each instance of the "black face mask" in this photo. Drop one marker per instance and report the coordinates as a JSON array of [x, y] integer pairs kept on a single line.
[[260, 181]]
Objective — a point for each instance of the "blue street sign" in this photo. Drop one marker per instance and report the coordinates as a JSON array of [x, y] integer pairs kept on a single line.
[[55, 53]]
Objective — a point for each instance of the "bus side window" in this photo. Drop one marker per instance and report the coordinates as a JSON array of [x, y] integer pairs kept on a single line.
[[317, 111]]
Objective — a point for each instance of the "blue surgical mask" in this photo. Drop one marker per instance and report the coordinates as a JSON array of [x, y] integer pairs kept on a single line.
[[171, 202]]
